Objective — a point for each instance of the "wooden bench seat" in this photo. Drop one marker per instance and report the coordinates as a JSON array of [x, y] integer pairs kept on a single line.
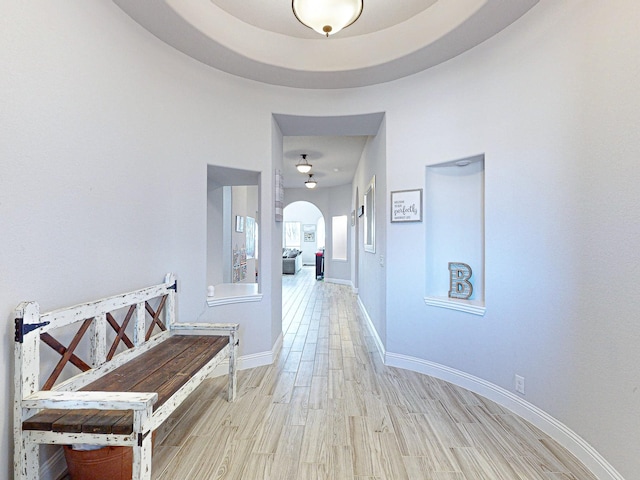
[[130, 381], [162, 369]]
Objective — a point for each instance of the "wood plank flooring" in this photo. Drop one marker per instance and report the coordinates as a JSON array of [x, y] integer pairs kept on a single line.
[[329, 409]]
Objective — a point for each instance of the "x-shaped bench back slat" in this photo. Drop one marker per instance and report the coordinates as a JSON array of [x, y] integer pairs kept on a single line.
[[67, 353], [120, 329], [155, 317]]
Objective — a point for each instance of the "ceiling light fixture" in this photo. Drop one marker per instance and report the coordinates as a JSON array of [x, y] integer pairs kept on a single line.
[[303, 166], [327, 17], [311, 183]]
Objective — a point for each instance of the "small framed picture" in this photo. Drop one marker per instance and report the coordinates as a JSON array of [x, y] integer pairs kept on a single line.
[[406, 206], [239, 224], [309, 233]]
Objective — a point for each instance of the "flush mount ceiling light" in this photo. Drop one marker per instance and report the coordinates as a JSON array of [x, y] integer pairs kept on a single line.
[[327, 17], [303, 166], [311, 183]]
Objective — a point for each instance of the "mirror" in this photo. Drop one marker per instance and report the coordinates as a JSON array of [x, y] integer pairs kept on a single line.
[[370, 217], [232, 226]]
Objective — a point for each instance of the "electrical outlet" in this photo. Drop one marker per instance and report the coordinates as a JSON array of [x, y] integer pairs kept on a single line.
[[519, 384]]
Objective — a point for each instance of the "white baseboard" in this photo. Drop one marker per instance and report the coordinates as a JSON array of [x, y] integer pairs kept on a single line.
[[276, 348], [339, 281], [254, 360], [545, 422], [372, 330], [569, 439]]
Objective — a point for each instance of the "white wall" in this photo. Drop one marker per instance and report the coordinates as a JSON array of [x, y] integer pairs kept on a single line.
[[372, 269], [218, 265], [105, 138], [553, 104], [106, 133], [272, 287]]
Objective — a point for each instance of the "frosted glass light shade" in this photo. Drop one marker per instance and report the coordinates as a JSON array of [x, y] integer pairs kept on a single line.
[[311, 183], [327, 16]]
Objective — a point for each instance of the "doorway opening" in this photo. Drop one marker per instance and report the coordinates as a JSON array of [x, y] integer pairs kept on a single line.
[[328, 144], [304, 230], [303, 236]]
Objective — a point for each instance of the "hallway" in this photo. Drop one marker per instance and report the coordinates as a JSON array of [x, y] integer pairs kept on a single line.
[[329, 409]]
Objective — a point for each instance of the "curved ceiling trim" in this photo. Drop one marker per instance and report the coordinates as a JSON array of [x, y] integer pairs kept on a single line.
[[205, 32]]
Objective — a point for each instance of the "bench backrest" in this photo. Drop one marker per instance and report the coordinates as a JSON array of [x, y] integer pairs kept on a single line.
[[93, 320]]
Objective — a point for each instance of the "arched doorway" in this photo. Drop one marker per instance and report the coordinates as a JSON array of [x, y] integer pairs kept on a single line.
[[304, 229]]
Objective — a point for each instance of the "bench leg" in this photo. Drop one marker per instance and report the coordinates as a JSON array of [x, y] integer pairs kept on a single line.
[[26, 459], [142, 460], [233, 355], [142, 451]]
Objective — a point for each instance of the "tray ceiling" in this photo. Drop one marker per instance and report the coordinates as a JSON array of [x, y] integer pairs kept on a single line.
[[262, 40]]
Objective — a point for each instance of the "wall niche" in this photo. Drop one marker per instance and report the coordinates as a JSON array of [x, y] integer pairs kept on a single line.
[[454, 222], [233, 216]]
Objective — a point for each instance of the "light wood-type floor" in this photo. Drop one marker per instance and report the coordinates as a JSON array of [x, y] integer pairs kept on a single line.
[[329, 409]]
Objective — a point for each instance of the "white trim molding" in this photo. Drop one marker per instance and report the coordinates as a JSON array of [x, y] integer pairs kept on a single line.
[[214, 302], [339, 281], [569, 439], [467, 306], [230, 293], [372, 330], [253, 360]]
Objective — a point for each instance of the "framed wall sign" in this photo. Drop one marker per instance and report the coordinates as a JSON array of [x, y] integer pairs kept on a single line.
[[406, 206]]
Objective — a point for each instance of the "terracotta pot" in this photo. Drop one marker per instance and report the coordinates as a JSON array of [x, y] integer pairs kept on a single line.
[[107, 463]]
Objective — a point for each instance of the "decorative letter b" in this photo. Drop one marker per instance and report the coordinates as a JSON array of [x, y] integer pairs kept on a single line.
[[459, 284]]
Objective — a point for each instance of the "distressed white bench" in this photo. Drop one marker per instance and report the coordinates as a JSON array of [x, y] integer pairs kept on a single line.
[[119, 397]]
